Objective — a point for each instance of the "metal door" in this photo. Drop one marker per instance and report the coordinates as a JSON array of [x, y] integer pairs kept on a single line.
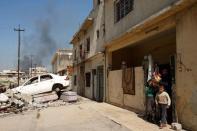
[[100, 83]]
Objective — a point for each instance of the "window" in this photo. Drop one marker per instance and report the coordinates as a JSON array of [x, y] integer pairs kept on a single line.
[[32, 81], [45, 77], [98, 2], [88, 79], [93, 71], [97, 34], [122, 8], [75, 54], [80, 50], [75, 80], [88, 44], [103, 30]]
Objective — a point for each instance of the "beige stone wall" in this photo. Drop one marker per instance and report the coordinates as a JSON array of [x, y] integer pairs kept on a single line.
[[92, 64], [63, 61], [116, 95], [74, 87], [187, 77], [96, 44], [137, 101], [54, 67], [142, 10]]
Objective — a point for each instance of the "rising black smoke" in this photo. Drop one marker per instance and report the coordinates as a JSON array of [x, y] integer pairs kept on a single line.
[[40, 44]]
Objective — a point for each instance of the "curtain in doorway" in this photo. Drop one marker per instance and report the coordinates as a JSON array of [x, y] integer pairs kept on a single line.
[[128, 81]]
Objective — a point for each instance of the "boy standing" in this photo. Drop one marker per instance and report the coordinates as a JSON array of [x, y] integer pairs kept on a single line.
[[163, 101]]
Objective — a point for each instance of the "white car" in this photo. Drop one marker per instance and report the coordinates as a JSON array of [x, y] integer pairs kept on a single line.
[[43, 83]]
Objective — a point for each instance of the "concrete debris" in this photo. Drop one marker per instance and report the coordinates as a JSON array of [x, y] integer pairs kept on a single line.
[[2, 89], [69, 96], [38, 105], [56, 103], [3, 97], [42, 98], [14, 103], [17, 103], [176, 126], [28, 99], [4, 106]]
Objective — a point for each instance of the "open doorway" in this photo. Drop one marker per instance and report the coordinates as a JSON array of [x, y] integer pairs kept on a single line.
[[165, 71], [82, 80], [161, 47]]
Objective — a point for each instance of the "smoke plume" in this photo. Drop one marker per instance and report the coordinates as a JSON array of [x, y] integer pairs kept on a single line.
[[40, 44]]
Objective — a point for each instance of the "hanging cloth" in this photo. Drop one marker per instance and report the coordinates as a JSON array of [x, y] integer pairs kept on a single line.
[[128, 81], [150, 67]]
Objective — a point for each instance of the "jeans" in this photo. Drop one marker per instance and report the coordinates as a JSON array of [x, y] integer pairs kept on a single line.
[[150, 108], [150, 105], [163, 113]]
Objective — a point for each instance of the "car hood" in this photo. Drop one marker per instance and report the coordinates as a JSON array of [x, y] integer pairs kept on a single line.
[[17, 89]]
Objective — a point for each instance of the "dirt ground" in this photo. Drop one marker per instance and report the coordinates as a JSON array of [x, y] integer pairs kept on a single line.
[[84, 116]]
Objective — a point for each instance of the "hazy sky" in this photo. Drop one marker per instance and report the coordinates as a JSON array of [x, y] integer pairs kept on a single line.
[[62, 17]]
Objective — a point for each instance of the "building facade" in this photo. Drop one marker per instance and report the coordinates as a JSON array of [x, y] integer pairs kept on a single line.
[[123, 42], [11, 76], [145, 36], [88, 55], [62, 61], [36, 71]]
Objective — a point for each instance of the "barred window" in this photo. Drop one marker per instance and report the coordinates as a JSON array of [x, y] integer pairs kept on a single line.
[[88, 44], [122, 8], [75, 54], [97, 34]]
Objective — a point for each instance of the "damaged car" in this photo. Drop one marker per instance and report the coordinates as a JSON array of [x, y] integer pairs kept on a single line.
[[44, 83]]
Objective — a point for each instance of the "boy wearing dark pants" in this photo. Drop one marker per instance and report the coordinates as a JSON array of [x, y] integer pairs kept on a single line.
[[163, 102], [150, 103]]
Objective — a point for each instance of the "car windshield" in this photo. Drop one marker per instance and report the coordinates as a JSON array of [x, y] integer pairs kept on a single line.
[[32, 81]]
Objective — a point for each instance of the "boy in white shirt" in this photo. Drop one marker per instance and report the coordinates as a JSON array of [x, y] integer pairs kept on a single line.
[[162, 101]]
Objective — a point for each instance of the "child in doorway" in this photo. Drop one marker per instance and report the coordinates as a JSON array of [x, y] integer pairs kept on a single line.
[[150, 103], [163, 102]]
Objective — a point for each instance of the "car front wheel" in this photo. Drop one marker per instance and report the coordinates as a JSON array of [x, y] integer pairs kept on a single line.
[[57, 88]]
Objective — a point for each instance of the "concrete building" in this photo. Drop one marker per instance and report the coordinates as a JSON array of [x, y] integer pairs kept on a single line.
[[161, 32], [61, 61], [88, 55], [35, 71], [11, 76], [11, 73]]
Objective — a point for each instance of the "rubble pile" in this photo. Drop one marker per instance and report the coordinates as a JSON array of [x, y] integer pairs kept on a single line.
[[2, 88], [10, 104], [14, 103]]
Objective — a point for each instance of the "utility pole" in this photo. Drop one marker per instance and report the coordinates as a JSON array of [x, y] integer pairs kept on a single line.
[[35, 69], [19, 46], [31, 65]]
